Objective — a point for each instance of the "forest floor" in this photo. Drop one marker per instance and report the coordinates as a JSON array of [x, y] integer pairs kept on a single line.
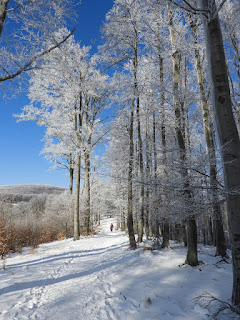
[[99, 278]]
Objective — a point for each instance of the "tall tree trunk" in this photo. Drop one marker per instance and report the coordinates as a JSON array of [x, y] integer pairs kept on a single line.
[[191, 222], [210, 146], [140, 150], [77, 198], [192, 256], [123, 219], [227, 133], [132, 241], [155, 188], [78, 130], [141, 199], [166, 226], [154, 151], [87, 190], [136, 191], [166, 233], [148, 213], [71, 171]]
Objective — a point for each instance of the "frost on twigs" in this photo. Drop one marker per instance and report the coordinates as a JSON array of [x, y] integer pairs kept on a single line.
[[4, 238], [217, 308]]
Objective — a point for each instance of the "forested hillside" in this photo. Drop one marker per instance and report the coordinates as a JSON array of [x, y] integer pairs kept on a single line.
[[18, 193]]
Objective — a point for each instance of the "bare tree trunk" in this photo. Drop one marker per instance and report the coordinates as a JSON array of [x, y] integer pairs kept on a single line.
[[227, 133], [135, 221], [154, 151], [148, 213], [71, 172], [140, 150], [135, 191], [192, 257], [78, 130], [210, 146], [77, 198], [191, 223], [132, 241], [166, 234], [166, 226], [87, 191], [184, 234], [123, 220], [155, 188]]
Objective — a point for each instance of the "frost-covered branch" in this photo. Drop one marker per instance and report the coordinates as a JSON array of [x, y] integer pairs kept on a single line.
[[26, 66]]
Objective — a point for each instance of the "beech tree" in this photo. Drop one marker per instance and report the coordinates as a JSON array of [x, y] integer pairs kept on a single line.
[[226, 129], [123, 46], [116, 159], [225, 123], [210, 145], [154, 33], [67, 94]]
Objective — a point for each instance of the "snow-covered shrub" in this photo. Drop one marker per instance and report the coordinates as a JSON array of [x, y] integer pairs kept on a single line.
[[4, 238], [42, 219], [58, 213]]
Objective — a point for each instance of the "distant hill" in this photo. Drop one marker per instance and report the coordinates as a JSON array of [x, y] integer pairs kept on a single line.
[[25, 192]]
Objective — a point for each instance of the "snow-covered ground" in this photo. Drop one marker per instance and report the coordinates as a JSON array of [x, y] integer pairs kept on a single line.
[[99, 278]]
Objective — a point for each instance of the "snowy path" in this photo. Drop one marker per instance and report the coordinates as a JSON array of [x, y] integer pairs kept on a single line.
[[98, 278]]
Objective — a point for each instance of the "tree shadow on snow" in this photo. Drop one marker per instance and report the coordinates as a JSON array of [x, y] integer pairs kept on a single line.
[[67, 255], [89, 271]]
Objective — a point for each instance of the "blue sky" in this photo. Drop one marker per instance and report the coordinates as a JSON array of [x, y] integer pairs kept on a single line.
[[20, 143]]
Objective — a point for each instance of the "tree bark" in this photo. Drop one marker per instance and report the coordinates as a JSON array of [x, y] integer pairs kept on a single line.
[[132, 242], [166, 233], [141, 199], [78, 129], [87, 203], [227, 133], [210, 146], [77, 198], [192, 258], [166, 227], [148, 213], [71, 172], [140, 150], [3, 13], [154, 150]]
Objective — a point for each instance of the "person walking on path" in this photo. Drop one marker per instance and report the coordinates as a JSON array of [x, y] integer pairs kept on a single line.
[[111, 227]]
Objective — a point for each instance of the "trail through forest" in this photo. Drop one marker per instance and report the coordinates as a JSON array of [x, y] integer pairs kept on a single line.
[[99, 278]]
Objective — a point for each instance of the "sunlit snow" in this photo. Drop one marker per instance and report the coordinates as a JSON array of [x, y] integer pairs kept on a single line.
[[99, 278]]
